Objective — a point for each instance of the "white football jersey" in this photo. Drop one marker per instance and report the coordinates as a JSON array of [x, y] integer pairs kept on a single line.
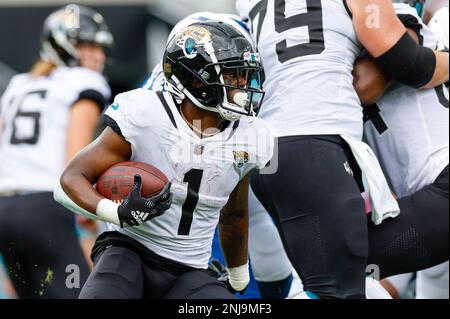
[[409, 131], [36, 114], [308, 48], [204, 172]]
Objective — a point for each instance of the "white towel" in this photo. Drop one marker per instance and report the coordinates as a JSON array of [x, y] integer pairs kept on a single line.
[[382, 200]]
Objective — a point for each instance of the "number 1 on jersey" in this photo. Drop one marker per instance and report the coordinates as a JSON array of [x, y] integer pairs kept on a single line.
[[193, 178]]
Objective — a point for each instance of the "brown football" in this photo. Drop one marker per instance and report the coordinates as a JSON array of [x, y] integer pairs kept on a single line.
[[117, 182]]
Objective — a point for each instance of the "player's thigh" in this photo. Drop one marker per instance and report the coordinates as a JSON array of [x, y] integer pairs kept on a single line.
[[317, 199], [117, 274], [58, 264], [198, 285], [419, 237], [320, 212], [41, 247]]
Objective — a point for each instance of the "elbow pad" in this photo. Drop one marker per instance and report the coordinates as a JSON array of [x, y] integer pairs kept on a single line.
[[408, 63]]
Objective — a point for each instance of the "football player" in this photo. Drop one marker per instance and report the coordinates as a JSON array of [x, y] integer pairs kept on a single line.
[[50, 114], [408, 129], [203, 135], [308, 50], [273, 272]]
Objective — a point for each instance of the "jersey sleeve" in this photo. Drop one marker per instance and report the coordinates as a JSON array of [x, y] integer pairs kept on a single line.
[[129, 113], [82, 83], [410, 19]]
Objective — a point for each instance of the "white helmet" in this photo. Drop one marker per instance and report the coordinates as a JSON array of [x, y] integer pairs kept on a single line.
[[439, 25]]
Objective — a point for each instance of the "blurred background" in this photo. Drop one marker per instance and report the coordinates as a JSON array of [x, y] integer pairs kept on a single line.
[[140, 29]]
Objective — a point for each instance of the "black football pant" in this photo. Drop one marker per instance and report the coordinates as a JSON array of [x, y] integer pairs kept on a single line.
[[320, 215], [125, 269], [40, 248], [318, 208], [419, 237]]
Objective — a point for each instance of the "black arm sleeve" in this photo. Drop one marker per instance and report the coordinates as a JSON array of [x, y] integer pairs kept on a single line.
[[408, 62]]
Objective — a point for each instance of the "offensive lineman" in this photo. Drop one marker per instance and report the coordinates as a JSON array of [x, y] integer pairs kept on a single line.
[[408, 129], [308, 50]]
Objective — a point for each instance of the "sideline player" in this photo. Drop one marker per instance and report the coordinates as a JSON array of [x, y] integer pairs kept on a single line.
[[50, 114]]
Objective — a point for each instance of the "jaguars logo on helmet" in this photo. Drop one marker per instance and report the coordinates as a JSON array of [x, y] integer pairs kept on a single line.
[[191, 39]]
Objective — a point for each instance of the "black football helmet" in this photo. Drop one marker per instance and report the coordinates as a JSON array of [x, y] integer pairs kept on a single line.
[[196, 59], [69, 26], [418, 4]]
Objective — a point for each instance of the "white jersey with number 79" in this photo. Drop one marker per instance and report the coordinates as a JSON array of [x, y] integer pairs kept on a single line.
[[308, 48]]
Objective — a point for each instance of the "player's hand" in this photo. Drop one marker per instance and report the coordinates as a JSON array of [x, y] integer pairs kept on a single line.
[[136, 210]]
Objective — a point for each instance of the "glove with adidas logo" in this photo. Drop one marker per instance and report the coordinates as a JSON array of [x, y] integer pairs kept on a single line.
[[136, 210]]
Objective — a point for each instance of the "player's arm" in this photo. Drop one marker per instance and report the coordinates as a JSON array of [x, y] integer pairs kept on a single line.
[[83, 121], [370, 81], [76, 192], [385, 38], [233, 234]]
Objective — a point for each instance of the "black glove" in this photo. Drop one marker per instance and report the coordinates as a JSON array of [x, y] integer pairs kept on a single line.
[[136, 210], [217, 270]]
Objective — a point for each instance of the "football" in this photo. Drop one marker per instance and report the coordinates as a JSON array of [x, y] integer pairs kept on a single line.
[[117, 182]]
